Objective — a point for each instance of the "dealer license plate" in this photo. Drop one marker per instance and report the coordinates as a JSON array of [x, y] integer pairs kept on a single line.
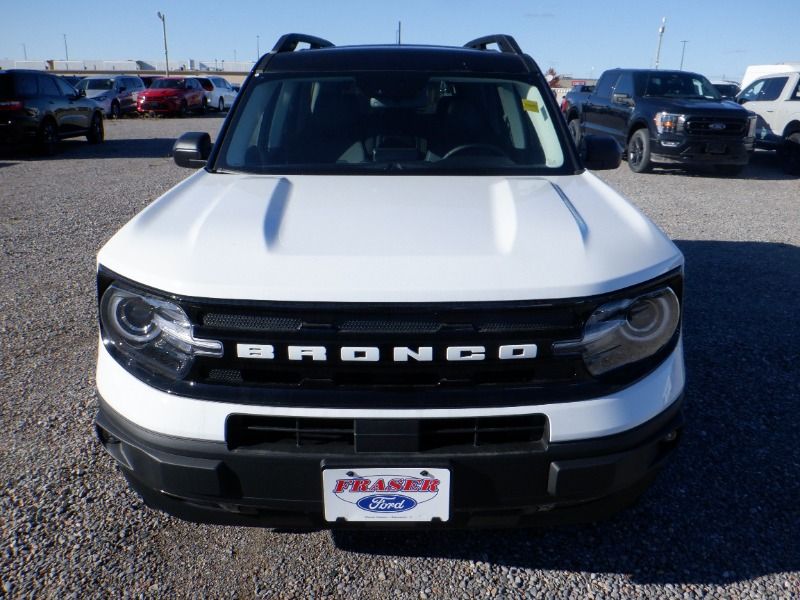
[[715, 148], [390, 494]]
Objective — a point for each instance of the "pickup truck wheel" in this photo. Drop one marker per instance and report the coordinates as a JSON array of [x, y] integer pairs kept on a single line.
[[221, 105], [790, 153], [575, 131], [639, 152]]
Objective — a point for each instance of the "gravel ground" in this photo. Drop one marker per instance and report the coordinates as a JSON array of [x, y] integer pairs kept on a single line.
[[721, 521]]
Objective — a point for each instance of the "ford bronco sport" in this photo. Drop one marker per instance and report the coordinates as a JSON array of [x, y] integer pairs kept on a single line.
[[392, 296]]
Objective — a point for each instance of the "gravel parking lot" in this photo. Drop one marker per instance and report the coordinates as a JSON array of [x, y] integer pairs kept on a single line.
[[723, 520]]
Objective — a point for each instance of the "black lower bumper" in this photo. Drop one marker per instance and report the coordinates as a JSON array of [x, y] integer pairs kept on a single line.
[[551, 483], [702, 151]]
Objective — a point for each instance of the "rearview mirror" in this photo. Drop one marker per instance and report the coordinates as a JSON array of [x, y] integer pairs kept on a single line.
[[600, 152], [192, 149]]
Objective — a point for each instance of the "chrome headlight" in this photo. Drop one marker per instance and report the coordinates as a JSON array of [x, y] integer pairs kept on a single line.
[[626, 331], [669, 122], [151, 333]]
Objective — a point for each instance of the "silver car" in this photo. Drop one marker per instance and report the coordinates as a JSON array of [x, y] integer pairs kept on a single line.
[[116, 94]]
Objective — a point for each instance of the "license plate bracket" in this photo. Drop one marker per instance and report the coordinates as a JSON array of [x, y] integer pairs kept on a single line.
[[386, 494], [716, 148]]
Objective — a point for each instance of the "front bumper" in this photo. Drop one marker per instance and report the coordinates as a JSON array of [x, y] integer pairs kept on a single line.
[[158, 106], [543, 483], [671, 149]]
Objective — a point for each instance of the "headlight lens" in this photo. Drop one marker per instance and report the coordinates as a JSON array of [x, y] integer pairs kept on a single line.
[[151, 333], [623, 332], [669, 122]]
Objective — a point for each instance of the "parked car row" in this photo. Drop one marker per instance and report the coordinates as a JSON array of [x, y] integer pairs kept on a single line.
[[39, 109], [122, 94], [663, 117]]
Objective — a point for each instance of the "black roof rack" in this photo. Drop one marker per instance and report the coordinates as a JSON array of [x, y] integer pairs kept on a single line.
[[506, 43], [288, 42]]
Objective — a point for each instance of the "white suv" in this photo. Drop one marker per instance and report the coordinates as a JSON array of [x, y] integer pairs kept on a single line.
[[776, 101], [392, 296]]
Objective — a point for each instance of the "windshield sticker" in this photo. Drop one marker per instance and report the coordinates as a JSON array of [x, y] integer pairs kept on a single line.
[[530, 105]]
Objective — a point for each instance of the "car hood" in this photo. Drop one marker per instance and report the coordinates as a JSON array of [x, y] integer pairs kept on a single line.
[[91, 94], [698, 106], [161, 92], [369, 238]]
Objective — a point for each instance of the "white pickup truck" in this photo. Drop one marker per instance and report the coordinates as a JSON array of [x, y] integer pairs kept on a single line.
[[775, 98]]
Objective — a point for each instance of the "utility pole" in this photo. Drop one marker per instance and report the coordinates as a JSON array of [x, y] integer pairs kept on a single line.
[[683, 52], [24, 51], [66, 50], [234, 55], [399, 32], [163, 18], [660, 37]]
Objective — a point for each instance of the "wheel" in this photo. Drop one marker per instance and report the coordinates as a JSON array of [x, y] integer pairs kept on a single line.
[[221, 105], [115, 110], [575, 130], [47, 140], [480, 147], [96, 133], [639, 151], [184, 109], [203, 106], [729, 170], [790, 154]]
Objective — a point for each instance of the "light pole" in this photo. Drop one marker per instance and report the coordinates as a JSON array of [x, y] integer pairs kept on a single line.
[[163, 18], [25, 51], [683, 52], [258, 47], [660, 37], [66, 50]]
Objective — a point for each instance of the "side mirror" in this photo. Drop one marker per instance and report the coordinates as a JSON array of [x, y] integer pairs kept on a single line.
[[192, 149], [622, 99], [81, 93], [122, 88], [741, 100], [600, 152]]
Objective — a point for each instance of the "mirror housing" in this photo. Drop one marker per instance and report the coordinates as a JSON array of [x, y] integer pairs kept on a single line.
[[192, 149], [122, 88], [600, 152], [741, 100], [622, 99]]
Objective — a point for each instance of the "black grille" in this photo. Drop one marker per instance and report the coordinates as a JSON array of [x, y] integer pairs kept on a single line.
[[263, 433], [713, 126], [388, 329]]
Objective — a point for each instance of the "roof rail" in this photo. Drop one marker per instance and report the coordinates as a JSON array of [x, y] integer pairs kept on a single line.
[[506, 43], [288, 42]]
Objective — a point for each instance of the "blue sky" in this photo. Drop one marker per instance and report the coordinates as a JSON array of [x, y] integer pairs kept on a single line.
[[575, 37]]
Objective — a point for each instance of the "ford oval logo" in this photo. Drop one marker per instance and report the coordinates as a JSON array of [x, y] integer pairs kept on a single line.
[[717, 126], [382, 503]]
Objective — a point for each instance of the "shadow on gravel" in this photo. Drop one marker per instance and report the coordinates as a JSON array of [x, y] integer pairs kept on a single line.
[[763, 166], [727, 507], [79, 148]]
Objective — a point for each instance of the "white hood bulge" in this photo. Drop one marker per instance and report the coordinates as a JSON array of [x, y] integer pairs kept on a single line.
[[368, 238]]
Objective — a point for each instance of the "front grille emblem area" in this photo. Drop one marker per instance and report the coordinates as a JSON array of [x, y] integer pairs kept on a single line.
[[398, 354], [717, 126]]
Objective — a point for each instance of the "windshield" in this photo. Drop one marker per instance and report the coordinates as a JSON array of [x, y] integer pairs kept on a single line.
[[391, 122], [95, 84], [177, 84], [679, 85]]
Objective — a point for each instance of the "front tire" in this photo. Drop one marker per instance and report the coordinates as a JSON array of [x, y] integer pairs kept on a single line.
[[575, 130], [115, 110], [221, 104], [639, 151], [184, 109], [47, 139], [96, 133]]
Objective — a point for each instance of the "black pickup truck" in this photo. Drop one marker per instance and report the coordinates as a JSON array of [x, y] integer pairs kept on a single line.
[[666, 117]]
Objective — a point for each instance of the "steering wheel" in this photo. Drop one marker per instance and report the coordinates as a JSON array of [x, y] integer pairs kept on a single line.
[[488, 147]]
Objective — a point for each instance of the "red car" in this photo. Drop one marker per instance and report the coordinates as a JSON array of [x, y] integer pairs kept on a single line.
[[172, 95]]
